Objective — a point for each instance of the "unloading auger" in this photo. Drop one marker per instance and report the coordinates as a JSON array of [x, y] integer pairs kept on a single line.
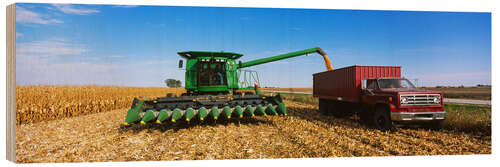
[[212, 82]]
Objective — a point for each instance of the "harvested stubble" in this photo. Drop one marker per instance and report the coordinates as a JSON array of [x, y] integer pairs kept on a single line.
[[304, 133], [41, 103]]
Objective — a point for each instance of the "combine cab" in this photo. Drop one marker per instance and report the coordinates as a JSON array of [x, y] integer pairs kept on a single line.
[[214, 90]]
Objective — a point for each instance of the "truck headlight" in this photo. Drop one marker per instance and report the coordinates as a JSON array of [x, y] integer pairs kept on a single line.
[[437, 100], [404, 100]]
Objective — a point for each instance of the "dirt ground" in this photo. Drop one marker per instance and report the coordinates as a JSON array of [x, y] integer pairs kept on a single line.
[[303, 133]]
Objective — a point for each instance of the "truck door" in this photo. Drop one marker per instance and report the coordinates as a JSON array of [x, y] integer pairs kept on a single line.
[[368, 96]]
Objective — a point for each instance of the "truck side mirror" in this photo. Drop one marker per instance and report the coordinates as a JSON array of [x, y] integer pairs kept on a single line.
[[180, 63], [363, 84]]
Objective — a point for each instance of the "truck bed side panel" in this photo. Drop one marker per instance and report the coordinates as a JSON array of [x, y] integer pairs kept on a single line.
[[345, 83]]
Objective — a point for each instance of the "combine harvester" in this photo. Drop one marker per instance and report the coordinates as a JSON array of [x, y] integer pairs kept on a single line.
[[212, 81]]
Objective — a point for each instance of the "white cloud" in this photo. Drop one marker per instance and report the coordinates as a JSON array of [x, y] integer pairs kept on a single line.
[[19, 34], [51, 47], [26, 16], [69, 9]]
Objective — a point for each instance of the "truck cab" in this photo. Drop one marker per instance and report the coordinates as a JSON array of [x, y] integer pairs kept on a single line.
[[399, 101]]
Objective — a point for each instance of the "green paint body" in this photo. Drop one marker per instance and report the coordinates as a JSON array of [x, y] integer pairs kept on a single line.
[[176, 115], [133, 114], [214, 112], [282, 108], [270, 110], [163, 115], [226, 111], [249, 110], [238, 111], [189, 114], [148, 116], [260, 110], [194, 60], [202, 112]]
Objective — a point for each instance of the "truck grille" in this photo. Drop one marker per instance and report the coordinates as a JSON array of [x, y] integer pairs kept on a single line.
[[419, 99]]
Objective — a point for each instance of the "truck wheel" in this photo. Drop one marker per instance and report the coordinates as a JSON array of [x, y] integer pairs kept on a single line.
[[381, 119], [323, 106]]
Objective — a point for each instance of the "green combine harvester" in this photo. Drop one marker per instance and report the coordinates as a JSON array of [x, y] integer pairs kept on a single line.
[[212, 80]]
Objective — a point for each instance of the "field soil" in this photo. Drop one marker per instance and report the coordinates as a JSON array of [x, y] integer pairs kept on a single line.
[[303, 133]]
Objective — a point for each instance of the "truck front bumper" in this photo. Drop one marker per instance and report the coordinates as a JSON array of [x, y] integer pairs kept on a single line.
[[418, 116]]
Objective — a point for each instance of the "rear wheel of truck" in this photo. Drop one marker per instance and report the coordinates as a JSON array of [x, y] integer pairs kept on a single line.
[[323, 106], [381, 119]]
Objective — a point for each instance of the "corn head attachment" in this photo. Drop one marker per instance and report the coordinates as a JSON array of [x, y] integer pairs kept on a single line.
[[188, 108], [212, 82]]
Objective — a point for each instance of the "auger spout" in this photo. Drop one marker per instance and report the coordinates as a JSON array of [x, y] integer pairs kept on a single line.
[[288, 55]]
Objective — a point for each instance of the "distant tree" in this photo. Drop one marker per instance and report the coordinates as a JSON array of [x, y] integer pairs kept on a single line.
[[178, 84], [173, 83]]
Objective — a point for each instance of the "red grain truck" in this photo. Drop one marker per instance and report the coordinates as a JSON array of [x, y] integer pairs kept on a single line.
[[379, 95]]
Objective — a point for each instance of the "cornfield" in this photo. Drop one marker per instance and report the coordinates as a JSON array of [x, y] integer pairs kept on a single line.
[[96, 134], [42, 103]]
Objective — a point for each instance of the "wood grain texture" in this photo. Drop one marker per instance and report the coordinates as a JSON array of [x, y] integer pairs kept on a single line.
[[11, 82]]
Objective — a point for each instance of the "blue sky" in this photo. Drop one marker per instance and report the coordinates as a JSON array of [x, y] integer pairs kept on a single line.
[[137, 45]]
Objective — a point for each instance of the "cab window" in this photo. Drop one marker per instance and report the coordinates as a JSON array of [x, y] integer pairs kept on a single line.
[[372, 84]]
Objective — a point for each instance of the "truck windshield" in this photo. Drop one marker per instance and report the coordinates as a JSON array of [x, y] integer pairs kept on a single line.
[[395, 83]]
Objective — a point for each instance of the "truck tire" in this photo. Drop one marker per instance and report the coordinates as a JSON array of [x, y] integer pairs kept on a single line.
[[323, 106], [381, 119]]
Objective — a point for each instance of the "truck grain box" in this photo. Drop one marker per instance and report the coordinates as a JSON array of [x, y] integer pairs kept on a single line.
[[379, 95], [345, 83]]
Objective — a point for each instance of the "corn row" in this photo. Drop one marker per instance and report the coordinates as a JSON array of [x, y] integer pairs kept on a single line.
[[42, 103]]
